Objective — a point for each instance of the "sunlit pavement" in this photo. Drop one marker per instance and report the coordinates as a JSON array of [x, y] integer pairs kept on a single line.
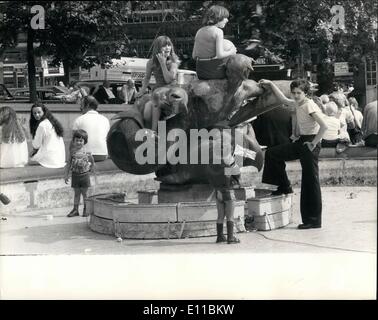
[[349, 225], [44, 257]]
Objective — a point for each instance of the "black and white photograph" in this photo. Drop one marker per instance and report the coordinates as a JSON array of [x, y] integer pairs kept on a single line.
[[188, 150]]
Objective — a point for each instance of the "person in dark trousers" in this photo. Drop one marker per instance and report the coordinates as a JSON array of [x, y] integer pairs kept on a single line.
[[311, 126], [105, 94], [273, 127]]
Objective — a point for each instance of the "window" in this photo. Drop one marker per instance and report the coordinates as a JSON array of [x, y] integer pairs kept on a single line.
[[8, 68], [371, 73]]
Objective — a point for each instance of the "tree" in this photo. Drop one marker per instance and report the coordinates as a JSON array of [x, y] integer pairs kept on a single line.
[[293, 29], [15, 20], [71, 29]]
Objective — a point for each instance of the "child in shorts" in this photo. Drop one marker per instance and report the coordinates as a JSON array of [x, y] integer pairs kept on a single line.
[[81, 164]]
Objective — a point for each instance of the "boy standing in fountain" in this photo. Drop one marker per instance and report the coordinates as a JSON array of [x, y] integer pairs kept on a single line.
[[225, 198], [81, 164], [224, 178]]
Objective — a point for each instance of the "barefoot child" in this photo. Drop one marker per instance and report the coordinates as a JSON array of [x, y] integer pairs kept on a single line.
[[81, 164]]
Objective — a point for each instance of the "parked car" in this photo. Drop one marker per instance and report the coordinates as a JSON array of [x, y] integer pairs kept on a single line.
[[59, 90], [92, 86], [48, 94], [43, 94]]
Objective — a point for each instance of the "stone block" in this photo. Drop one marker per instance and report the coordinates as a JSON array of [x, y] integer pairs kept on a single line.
[[272, 221], [149, 213], [186, 193], [147, 197], [204, 211], [264, 204], [130, 212]]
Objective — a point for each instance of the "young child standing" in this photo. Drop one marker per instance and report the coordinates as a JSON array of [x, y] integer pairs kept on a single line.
[[311, 125], [225, 199], [224, 178], [81, 164], [163, 65], [211, 50]]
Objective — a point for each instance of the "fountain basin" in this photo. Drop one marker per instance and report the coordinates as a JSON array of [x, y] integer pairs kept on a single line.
[[112, 214]]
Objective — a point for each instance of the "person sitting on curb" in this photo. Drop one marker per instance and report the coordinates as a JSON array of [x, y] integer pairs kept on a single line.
[[332, 135], [369, 125], [105, 94]]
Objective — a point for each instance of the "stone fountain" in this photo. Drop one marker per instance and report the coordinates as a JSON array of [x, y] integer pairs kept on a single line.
[[184, 205]]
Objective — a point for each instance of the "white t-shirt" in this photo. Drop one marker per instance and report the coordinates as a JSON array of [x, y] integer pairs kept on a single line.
[[97, 127], [51, 150], [306, 123], [358, 117], [345, 116], [13, 155], [333, 130]]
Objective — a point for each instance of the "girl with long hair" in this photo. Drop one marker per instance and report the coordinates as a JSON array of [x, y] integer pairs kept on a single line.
[[163, 64], [13, 144], [47, 134]]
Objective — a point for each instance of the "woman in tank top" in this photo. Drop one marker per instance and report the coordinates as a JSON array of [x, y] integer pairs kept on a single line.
[[211, 51]]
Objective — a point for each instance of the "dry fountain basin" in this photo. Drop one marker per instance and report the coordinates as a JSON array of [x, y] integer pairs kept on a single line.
[[162, 214]]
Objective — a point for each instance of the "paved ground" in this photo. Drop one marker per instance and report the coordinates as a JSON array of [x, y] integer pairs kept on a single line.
[[349, 225], [349, 230]]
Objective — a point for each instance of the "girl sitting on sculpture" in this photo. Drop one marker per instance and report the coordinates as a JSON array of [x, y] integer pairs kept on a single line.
[[163, 65], [211, 51]]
